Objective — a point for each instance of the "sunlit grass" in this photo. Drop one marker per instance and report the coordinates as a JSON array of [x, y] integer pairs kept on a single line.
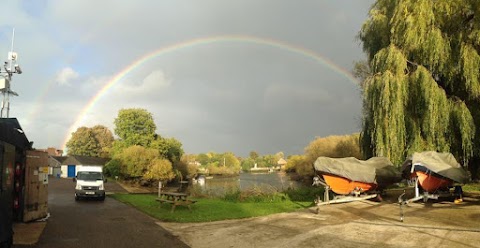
[[471, 187], [205, 210]]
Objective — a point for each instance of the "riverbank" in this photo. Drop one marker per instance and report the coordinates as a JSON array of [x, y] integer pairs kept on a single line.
[[218, 185], [209, 209]]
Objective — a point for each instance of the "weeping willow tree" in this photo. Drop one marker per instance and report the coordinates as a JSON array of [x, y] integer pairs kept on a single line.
[[423, 92]]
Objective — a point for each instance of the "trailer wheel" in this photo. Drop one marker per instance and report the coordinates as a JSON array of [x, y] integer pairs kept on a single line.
[[102, 198], [379, 198]]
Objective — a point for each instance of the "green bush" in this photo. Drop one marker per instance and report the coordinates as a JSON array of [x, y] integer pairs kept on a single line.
[[304, 193], [112, 168]]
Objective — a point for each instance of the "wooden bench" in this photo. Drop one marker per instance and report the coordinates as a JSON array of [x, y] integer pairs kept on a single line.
[[175, 203]]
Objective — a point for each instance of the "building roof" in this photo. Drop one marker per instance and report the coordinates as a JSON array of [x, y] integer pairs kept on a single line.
[[84, 160], [11, 132], [52, 151], [281, 161], [60, 159]]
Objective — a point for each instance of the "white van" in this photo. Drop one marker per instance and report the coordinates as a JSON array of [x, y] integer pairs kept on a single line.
[[89, 181]]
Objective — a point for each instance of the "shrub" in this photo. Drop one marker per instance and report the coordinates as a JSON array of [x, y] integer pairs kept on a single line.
[[263, 193], [112, 168], [247, 164], [197, 191], [293, 162], [159, 170], [333, 146], [232, 195], [135, 160], [304, 193], [187, 170]]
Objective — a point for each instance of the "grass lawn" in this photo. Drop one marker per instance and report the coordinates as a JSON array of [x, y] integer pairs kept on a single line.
[[471, 187], [207, 209]]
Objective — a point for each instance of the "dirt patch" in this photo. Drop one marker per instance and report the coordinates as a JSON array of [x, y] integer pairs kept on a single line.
[[355, 224], [27, 233], [136, 189]]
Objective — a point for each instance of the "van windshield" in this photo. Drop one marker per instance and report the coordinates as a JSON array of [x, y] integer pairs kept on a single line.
[[89, 175]]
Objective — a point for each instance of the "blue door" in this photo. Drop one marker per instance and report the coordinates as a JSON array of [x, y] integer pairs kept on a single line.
[[71, 171]]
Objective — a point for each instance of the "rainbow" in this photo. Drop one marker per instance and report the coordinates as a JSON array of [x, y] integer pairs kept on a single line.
[[198, 42]]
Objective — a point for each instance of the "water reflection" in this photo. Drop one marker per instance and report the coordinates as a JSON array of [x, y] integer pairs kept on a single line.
[[218, 185]]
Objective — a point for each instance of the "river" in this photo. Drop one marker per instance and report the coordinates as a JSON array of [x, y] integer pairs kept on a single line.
[[218, 185]]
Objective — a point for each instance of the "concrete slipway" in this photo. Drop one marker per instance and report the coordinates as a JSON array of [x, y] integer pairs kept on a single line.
[[356, 224]]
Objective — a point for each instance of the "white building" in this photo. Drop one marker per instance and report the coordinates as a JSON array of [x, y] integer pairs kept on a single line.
[[72, 163]]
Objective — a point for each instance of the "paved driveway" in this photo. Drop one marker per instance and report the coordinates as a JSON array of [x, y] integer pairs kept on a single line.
[[91, 223]]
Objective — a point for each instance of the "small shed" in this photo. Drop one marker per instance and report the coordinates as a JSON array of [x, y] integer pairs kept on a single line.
[[55, 165], [71, 164]]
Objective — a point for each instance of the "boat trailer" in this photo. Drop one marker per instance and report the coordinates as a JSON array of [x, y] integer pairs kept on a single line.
[[357, 194], [425, 196]]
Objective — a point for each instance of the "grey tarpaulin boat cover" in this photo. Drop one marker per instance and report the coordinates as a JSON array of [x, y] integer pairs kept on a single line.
[[443, 164], [374, 170]]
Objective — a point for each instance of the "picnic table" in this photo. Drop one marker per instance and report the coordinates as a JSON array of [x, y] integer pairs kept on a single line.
[[175, 199]]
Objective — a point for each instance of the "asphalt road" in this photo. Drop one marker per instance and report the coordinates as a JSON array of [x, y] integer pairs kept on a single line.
[[92, 223]]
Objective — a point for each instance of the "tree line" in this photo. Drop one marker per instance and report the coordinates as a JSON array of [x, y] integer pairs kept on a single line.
[[138, 154], [229, 164]]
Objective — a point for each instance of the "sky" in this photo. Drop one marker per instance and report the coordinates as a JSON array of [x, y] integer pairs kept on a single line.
[[221, 76]]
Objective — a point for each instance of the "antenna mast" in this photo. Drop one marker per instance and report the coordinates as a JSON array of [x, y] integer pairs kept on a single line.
[[10, 67]]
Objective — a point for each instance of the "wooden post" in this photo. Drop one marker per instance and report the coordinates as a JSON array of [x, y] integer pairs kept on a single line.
[[159, 188]]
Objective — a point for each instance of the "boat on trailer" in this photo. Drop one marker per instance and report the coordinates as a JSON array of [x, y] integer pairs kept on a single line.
[[433, 173], [352, 179]]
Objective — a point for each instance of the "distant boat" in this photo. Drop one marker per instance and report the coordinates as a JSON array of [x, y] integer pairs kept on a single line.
[[199, 180], [260, 169]]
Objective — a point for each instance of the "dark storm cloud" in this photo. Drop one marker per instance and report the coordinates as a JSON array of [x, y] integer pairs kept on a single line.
[[224, 96]]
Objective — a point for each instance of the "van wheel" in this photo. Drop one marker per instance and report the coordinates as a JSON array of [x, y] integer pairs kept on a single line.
[[102, 198]]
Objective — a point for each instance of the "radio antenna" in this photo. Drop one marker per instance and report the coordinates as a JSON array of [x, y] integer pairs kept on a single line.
[[10, 67], [11, 50]]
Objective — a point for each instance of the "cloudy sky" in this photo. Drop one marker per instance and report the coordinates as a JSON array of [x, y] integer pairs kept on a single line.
[[237, 76]]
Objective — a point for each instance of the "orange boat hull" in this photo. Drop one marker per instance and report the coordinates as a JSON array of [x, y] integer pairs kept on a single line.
[[432, 183], [344, 186]]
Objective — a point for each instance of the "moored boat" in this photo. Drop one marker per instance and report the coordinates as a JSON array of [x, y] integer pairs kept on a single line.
[[434, 171], [431, 183], [343, 186], [353, 176]]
